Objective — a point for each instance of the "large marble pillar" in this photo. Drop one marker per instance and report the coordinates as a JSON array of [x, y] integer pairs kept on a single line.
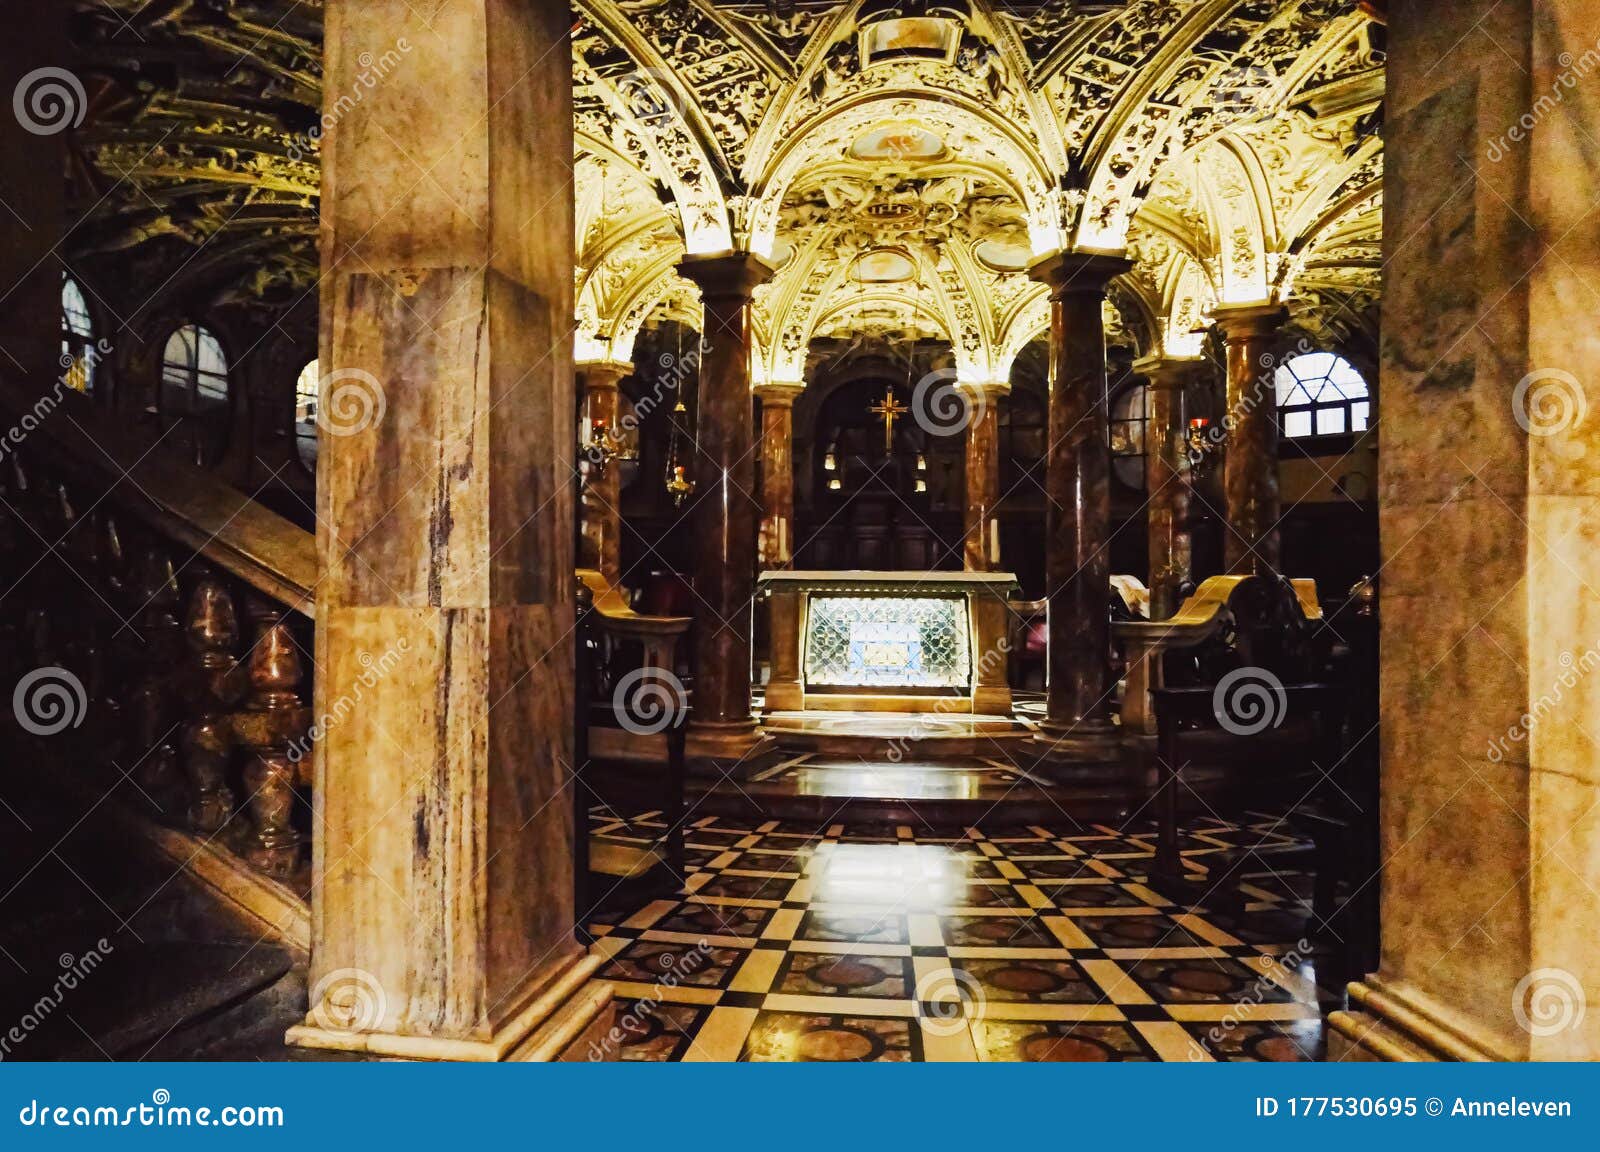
[[777, 472], [1078, 490], [1167, 477], [45, 102], [1490, 514], [442, 909], [727, 508], [599, 387], [1250, 470], [981, 523]]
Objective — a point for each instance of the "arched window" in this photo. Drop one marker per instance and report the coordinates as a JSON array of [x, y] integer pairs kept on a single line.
[[305, 411], [194, 394], [1321, 394], [78, 352], [194, 372], [1127, 427]]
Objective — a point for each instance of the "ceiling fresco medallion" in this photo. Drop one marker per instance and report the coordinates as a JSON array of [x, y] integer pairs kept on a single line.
[[898, 142]]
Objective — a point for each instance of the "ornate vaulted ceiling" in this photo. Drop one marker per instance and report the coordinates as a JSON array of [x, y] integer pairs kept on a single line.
[[901, 163]]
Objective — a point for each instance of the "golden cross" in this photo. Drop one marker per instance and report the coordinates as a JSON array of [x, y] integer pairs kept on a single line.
[[888, 409]]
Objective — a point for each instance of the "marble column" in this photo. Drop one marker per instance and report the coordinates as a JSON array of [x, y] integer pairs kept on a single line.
[[1490, 527], [45, 101], [1167, 477], [777, 472], [442, 906], [1078, 490], [598, 388], [1250, 470], [981, 524], [727, 508]]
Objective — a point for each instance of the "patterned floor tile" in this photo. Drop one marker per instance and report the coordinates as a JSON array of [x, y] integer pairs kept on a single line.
[[649, 961], [792, 1036], [1062, 951], [1076, 1043], [656, 1031], [1032, 981], [1290, 1041], [822, 974]]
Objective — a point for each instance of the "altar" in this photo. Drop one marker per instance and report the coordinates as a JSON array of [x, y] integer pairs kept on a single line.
[[888, 641]]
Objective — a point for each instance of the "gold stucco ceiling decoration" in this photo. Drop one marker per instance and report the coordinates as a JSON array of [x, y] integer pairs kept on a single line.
[[907, 158]]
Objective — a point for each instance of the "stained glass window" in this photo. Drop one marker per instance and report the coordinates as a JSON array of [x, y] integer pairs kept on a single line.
[[888, 642], [1321, 394]]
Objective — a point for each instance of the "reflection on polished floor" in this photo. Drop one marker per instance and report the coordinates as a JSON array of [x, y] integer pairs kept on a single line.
[[797, 942]]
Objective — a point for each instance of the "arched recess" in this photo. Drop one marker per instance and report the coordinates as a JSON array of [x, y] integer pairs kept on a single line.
[[970, 135], [1204, 91], [1232, 196], [643, 111], [820, 290]]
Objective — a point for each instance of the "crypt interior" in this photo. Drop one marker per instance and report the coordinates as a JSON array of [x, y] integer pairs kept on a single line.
[[788, 530]]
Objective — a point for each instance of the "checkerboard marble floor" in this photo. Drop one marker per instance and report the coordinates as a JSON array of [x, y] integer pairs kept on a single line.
[[795, 943]]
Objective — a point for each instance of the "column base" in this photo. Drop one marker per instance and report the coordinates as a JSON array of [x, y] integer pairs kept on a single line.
[[1393, 1022], [989, 700], [784, 696], [726, 741], [1084, 740], [559, 1014]]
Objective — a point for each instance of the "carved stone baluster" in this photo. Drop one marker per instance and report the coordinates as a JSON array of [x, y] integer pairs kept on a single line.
[[208, 688], [273, 728], [155, 595]]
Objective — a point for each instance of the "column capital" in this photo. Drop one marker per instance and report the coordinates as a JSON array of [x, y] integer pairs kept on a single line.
[[988, 389], [726, 275], [779, 393], [1243, 321], [1173, 373], [603, 373], [1078, 273]]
